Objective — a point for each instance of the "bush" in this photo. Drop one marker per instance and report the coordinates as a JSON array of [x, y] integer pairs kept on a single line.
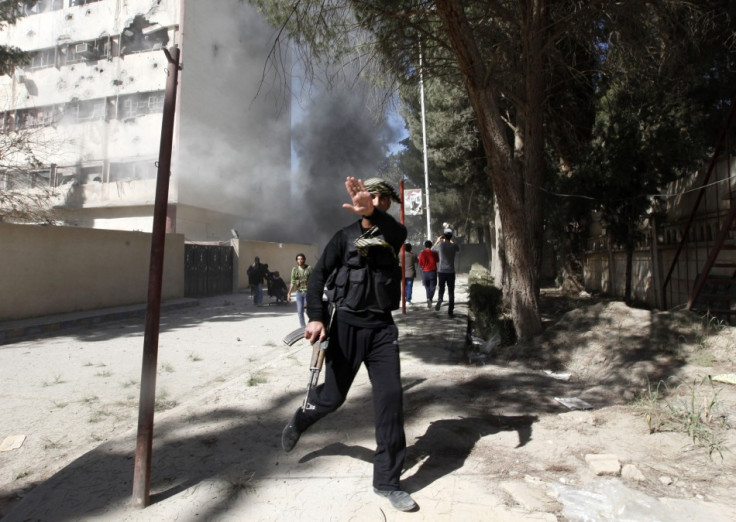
[[485, 307]]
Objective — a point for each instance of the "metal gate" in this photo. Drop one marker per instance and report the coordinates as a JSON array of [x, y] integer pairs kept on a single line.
[[208, 270]]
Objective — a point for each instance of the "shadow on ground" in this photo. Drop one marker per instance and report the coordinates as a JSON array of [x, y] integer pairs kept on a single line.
[[188, 451]]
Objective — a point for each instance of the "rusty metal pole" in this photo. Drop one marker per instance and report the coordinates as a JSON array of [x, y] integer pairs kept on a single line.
[[144, 441], [403, 256]]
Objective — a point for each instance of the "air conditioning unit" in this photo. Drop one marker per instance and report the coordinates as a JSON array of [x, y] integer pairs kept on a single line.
[[86, 51]]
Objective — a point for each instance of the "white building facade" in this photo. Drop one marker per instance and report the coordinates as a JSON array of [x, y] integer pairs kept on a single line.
[[93, 94]]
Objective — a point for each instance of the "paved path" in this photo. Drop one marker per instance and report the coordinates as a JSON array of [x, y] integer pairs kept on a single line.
[[217, 453], [230, 386]]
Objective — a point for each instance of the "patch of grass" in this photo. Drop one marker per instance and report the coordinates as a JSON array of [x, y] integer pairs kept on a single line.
[[270, 344], [58, 379], [88, 363], [99, 415], [194, 357], [52, 444], [242, 483], [22, 474], [712, 324], [101, 365], [89, 399], [688, 408], [127, 403], [103, 373], [166, 368], [162, 402], [59, 405], [256, 379], [129, 383]]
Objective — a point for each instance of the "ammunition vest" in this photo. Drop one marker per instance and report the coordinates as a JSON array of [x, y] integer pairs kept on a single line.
[[365, 283]]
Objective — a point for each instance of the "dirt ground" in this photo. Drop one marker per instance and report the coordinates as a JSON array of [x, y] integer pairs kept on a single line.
[[662, 428]]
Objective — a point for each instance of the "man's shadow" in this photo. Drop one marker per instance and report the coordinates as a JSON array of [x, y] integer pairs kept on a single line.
[[443, 448]]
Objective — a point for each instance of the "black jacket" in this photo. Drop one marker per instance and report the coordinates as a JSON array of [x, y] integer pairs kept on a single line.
[[333, 257]]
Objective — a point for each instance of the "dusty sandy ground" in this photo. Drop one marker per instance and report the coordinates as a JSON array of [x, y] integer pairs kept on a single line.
[[487, 440]]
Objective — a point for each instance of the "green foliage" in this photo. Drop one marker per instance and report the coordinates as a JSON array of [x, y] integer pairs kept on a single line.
[[610, 98], [11, 56], [460, 189], [688, 408], [649, 107], [655, 105]]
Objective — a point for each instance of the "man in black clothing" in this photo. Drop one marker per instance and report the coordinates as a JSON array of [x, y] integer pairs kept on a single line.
[[363, 257]]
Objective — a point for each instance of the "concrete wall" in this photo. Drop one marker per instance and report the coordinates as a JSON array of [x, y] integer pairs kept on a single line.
[[49, 270], [278, 256]]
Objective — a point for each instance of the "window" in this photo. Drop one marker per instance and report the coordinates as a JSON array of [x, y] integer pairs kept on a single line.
[[134, 105], [89, 110], [132, 170], [42, 6], [43, 58], [72, 3], [7, 122], [156, 103], [141, 36], [90, 174], [70, 54], [35, 117]]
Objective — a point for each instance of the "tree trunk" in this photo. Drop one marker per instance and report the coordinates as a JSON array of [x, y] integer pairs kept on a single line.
[[489, 241], [515, 186], [500, 267], [629, 265]]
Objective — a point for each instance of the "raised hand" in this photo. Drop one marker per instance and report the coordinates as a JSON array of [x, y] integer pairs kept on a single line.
[[362, 200]]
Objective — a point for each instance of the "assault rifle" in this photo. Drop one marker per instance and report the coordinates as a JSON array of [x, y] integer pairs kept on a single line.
[[318, 356]]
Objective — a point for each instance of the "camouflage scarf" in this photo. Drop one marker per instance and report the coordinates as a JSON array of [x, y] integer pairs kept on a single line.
[[369, 239]]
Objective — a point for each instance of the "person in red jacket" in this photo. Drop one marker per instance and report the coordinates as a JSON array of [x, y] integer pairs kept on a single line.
[[428, 260]]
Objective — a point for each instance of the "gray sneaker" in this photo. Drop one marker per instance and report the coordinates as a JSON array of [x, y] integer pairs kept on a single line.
[[400, 500]]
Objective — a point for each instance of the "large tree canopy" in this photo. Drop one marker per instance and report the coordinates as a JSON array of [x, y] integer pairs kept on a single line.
[[459, 186], [530, 69]]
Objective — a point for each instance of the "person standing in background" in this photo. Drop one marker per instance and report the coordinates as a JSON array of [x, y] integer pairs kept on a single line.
[[256, 274], [428, 260], [447, 249], [299, 277], [410, 271]]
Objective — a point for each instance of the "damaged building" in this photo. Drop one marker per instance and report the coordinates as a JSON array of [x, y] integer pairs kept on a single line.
[[93, 97]]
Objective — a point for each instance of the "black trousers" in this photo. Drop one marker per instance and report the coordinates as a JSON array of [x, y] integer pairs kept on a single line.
[[378, 348], [449, 280]]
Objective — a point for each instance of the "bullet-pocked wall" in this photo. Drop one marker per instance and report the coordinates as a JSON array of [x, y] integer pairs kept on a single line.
[[93, 96]]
